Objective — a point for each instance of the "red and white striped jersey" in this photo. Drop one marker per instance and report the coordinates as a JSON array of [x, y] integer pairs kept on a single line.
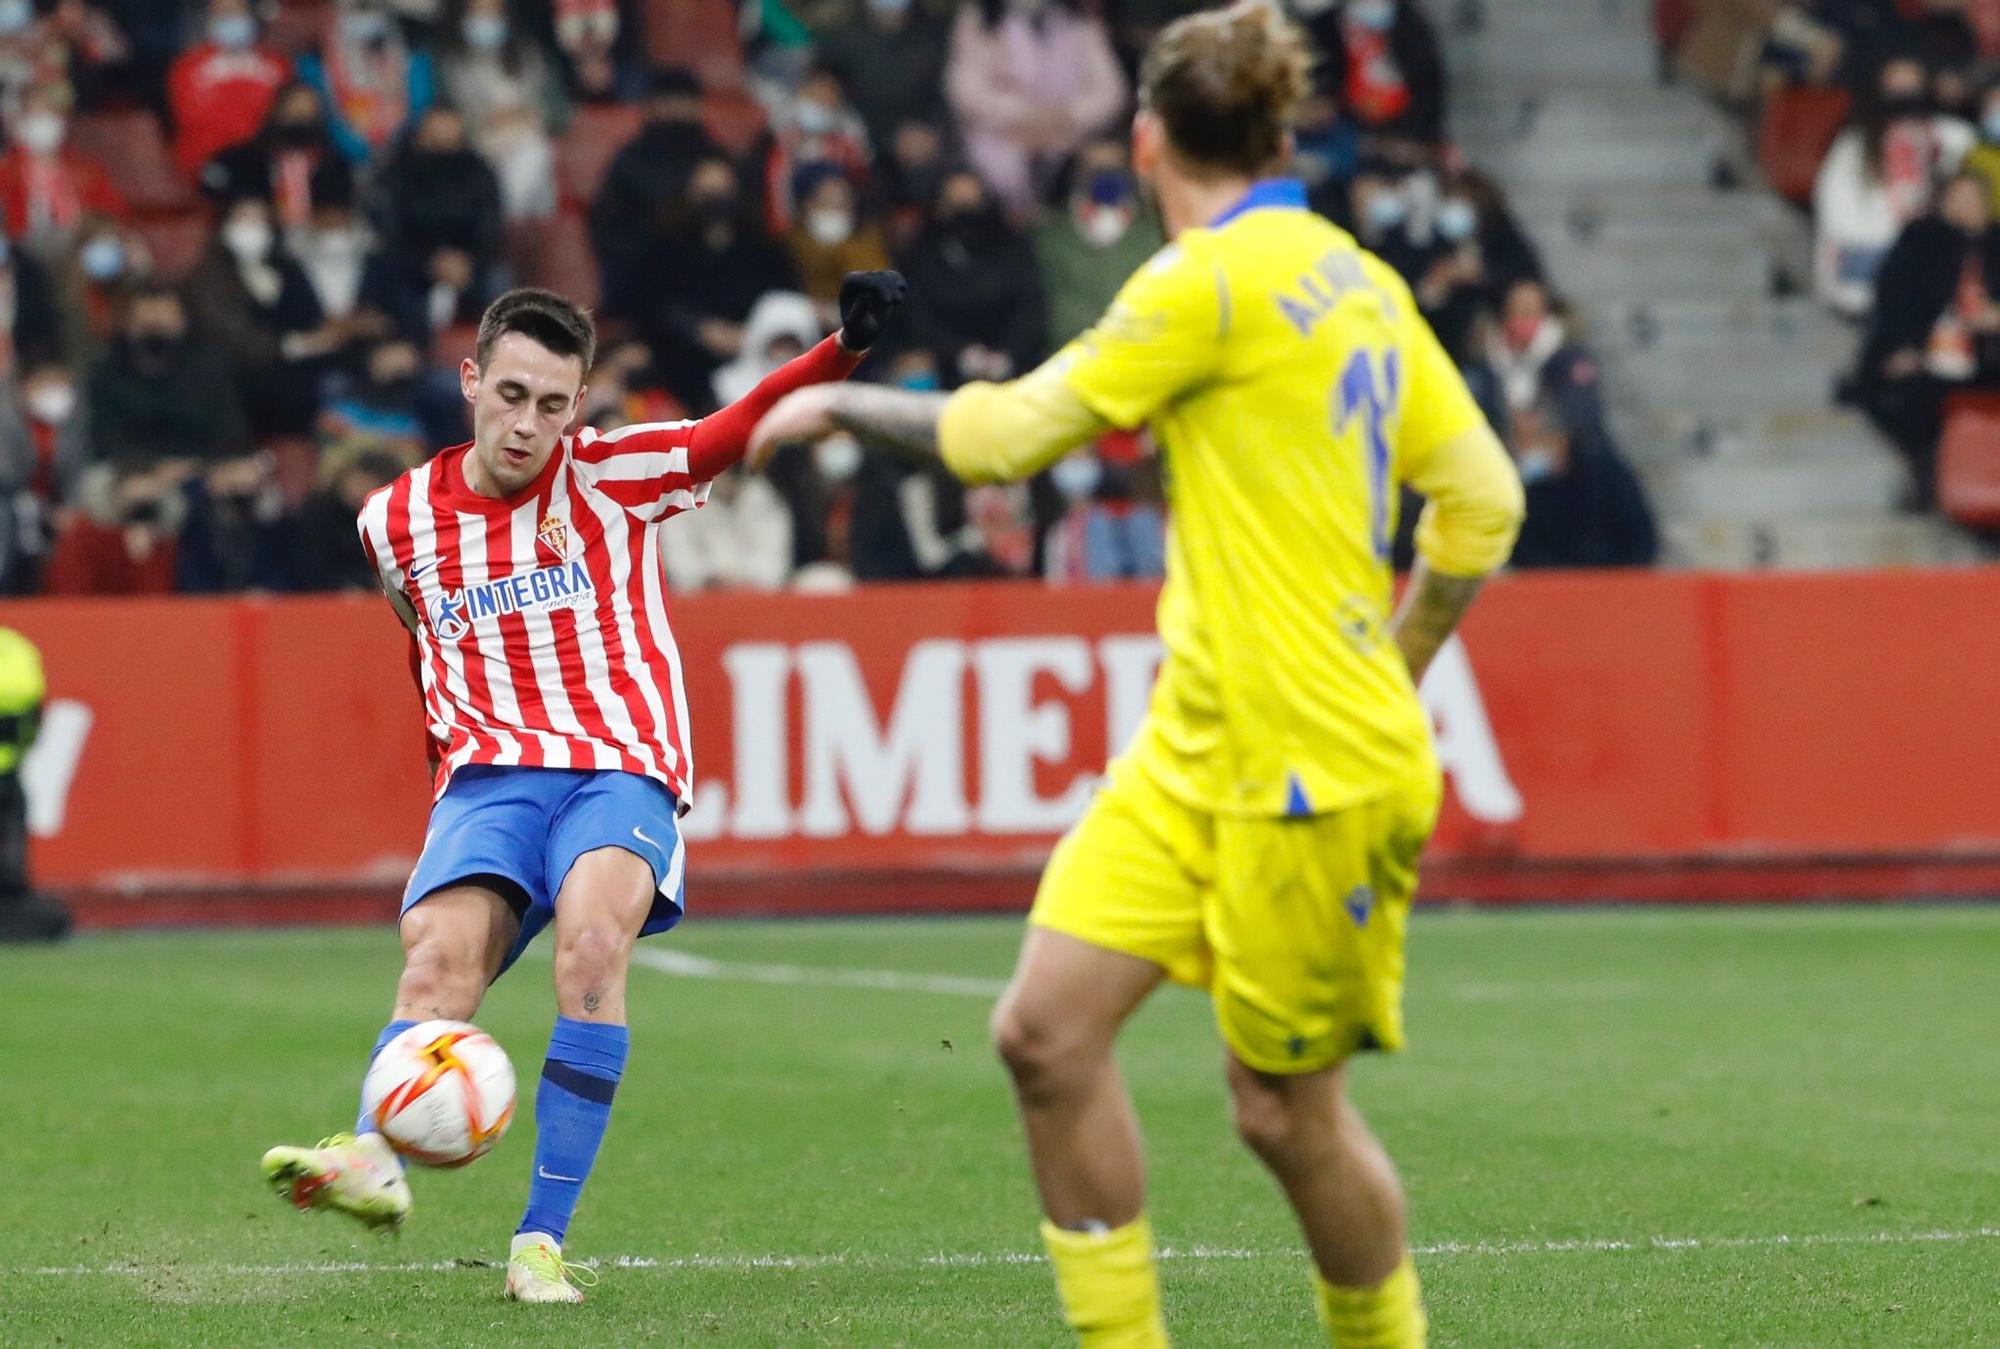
[[542, 617]]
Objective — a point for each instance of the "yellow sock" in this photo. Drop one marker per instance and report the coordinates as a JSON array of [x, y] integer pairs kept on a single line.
[[1388, 1316], [1110, 1289]]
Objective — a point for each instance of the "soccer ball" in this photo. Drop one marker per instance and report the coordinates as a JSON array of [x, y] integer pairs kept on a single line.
[[442, 1092]]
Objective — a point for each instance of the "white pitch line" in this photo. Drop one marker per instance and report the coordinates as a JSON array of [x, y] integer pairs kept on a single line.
[[684, 965], [993, 1259], [701, 967]]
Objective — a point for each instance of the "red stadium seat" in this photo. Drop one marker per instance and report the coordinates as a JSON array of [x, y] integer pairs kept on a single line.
[[1969, 460], [300, 26], [133, 150], [1797, 128], [560, 258], [175, 240], [596, 134], [735, 119], [701, 35]]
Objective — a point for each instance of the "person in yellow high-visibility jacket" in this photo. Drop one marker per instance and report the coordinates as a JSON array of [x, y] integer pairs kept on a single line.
[[24, 915]]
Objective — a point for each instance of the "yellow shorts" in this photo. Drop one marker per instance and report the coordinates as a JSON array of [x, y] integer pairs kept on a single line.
[[1294, 925]]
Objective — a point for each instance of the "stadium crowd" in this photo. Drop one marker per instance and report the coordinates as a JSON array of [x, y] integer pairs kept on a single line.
[[245, 242], [1882, 116]]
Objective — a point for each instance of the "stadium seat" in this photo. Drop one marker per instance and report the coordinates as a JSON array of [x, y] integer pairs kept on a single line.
[[133, 150], [559, 257], [299, 26], [1969, 460], [735, 119], [175, 239], [1797, 128], [701, 35], [596, 134], [1671, 19]]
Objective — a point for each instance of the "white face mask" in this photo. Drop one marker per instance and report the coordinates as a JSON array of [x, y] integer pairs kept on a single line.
[[102, 258], [340, 244], [1375, 14], [1077, 476], [15, 16], [837, 457], [41, 132], [51, 404], [814, 119], [1456, 220], [1104, 226], [830, 227], [233, 31], [248, 238], [485, 32]]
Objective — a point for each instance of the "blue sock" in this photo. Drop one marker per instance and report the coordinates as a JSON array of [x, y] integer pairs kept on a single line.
[[365, 1125], [572, 1108]]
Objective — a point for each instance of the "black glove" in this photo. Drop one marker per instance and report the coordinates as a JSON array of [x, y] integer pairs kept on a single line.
[[866, 300]]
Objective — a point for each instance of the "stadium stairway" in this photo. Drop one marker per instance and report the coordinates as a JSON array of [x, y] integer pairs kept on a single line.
[[1719, 385]]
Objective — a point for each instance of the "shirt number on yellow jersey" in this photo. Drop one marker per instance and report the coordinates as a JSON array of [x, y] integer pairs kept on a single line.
[[1369, 389]]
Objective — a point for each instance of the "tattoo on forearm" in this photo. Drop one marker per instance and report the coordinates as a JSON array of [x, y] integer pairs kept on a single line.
[[592, 1000], [1431, 609], [896, 418]]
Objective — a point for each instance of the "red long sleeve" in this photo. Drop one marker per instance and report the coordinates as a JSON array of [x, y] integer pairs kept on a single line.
[[721, 439]]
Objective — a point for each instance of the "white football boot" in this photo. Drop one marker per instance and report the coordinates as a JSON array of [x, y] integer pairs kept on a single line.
[[360, 1177], [536, 1271]]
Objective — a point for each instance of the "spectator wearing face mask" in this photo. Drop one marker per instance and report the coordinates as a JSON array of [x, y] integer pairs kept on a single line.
[[815, 127], [1383, 58], [380, 411], [1935, 326], [1113, 526], [47, 187], [250, 297], [371, 83], [907, 178], [1586, 508], [601, 63], [1532, 356], [643, 186], [292, 160], [157, 395], [707, 273], [441, 215], [122, 539], [1878, 177], [351, 275], [1103, 235], [1029, 81], [105, 265], [221, 90], [84, 44], [502, 85], [320, 538], [45, 443], [830, 239], [976, 295], [1378, 215], [890, 59]]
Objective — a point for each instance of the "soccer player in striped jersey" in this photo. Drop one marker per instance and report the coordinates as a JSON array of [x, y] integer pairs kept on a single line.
[[526, 566], [1260, 837]]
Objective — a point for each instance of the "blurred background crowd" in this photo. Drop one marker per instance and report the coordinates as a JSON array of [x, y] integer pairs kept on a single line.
[[245, 245], [1882, 118]]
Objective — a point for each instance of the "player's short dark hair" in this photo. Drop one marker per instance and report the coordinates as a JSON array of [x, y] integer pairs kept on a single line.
[[1227, 84], [543, 317]]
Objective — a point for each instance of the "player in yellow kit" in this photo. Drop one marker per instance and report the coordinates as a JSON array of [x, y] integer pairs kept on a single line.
[[1260, 837]]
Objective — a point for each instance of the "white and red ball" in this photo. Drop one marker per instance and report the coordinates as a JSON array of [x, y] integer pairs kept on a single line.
[[442, 1092]]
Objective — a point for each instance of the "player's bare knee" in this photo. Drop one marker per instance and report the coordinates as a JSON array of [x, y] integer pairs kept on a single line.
[[440, 979], [592, 957], [1039, 1055], [1277, 1120]]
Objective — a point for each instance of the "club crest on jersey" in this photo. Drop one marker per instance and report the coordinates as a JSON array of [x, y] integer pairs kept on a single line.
[[564, 586], [553, 540]]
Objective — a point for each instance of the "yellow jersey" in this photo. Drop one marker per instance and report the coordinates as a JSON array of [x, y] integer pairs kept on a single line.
[[1292, 387]]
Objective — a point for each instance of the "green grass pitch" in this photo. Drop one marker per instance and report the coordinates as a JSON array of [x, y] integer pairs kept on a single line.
[[1640, 1127]]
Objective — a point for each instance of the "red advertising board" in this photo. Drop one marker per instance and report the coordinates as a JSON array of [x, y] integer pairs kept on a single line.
[[1586, 721]]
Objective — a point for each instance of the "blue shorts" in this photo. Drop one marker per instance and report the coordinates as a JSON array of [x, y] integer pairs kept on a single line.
[[529, 825]]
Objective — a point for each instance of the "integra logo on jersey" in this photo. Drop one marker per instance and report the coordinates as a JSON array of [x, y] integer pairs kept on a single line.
[[568, 586]]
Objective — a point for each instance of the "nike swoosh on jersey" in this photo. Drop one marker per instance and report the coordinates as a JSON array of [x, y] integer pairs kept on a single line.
[[641, 836]]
